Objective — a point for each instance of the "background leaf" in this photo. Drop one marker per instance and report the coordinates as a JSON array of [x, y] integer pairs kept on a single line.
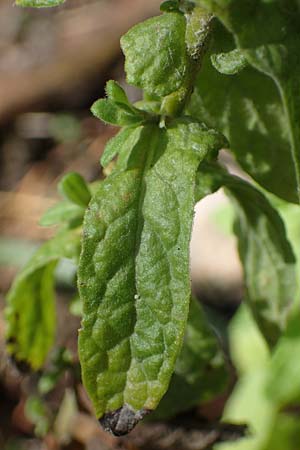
[[267, 257], [75, 189], [30, 310], [39, 3]]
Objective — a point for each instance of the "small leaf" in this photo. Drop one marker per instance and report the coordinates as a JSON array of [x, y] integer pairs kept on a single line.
[[155, 54], [37, 412], [170, 6], [116, 114], [39, 3], [286, 366], [60, 213], [134, 272], [74, 188], [115, 93], [229, 63], [30, 310], [114, 145]]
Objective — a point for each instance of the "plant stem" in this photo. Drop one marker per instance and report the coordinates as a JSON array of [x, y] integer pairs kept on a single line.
[[199, 25]]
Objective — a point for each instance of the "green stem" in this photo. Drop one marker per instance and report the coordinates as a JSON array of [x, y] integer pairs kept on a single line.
[[199, 24]]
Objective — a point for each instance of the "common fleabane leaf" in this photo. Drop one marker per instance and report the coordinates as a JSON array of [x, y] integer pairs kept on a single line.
[[229, 63], [134, 272], [115, 93], [155, 54], [248, 110], [268, 35], [62, 212], [119, 143], [267, 257], [200, 372], [75, 189], [30, 310], [116, 113]]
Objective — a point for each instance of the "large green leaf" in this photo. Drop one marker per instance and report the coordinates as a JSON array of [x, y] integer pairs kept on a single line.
[[267, 257], [156, 55], [134, 272], [30, 310], [259, 108], [266, 254], [200, 371]]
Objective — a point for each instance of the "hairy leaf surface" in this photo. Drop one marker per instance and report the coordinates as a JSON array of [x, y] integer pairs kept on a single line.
[[117, 113], [229, 63], [259, 109], [156, 55], [122, 143], [134, 272], [30, 311], [200, 373]]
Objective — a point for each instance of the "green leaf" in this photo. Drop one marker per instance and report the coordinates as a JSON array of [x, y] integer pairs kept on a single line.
[[248, 109], [169, 6], [60, 213], [283, 385], [134, 272], [266, 254], [268, 34], [155, 54], [229, 63], [30, 310], [267, 383], [75, 189], [115, 93], [267, 257], [284, 434], [200, 373], [39, 3], [116, 144], [37, 412], [116, 113], [249, 403]]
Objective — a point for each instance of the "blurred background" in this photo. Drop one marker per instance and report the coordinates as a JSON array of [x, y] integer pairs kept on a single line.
[[53, 65]]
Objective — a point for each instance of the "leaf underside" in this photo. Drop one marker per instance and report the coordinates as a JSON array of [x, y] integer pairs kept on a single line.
[[267, 257], [266, 254]]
